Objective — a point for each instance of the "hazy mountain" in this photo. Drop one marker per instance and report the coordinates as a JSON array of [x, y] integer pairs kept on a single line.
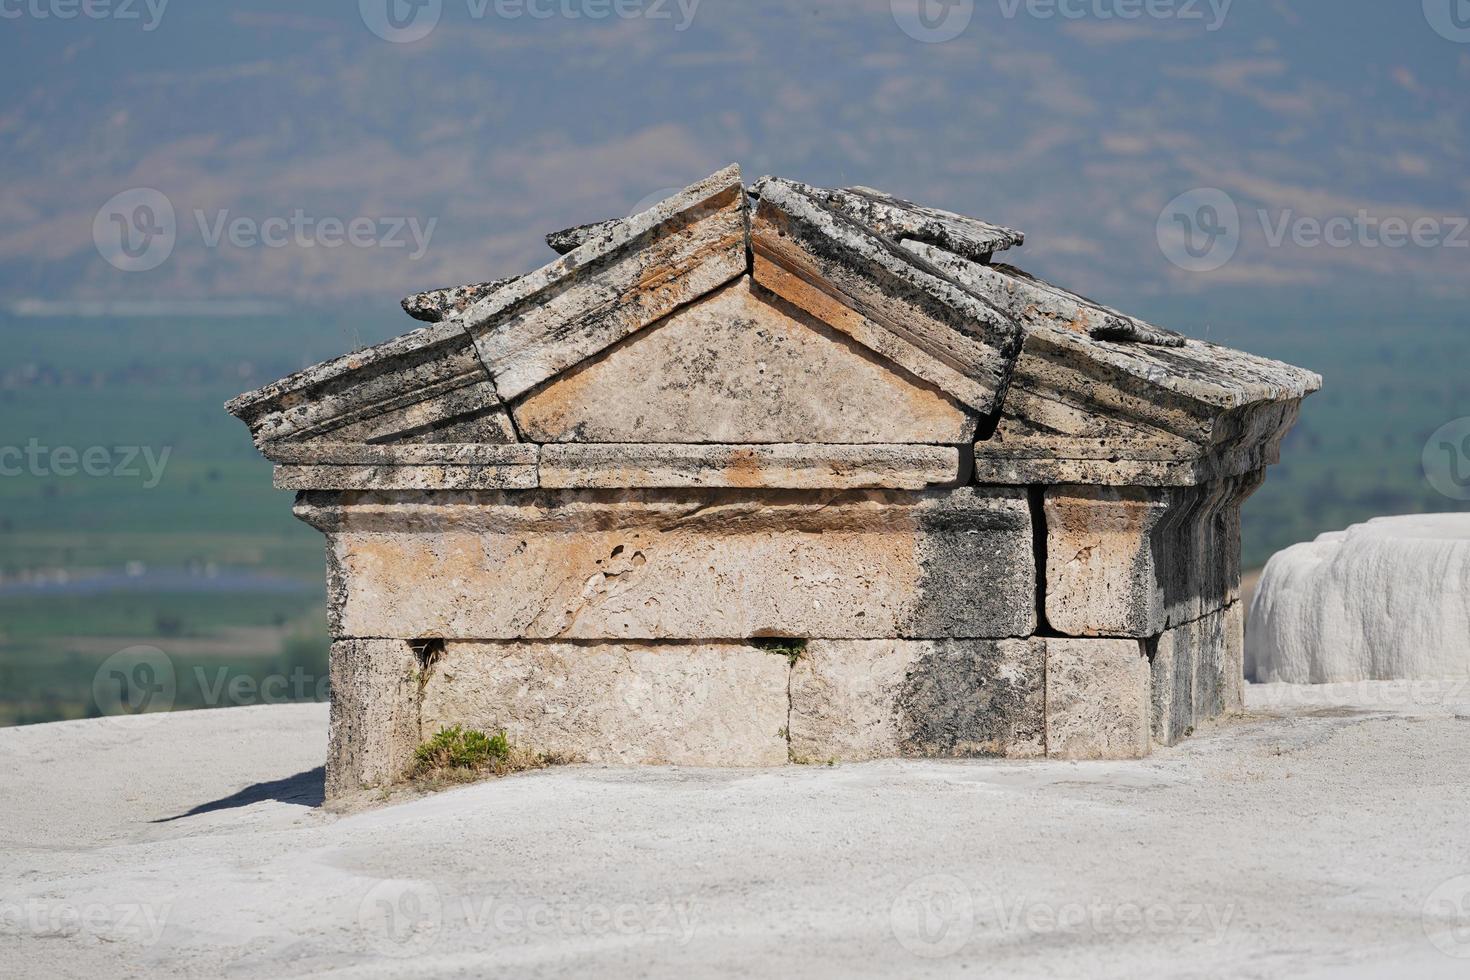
[[1065, 118]]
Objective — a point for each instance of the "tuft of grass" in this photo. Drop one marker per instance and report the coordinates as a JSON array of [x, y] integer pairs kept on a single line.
[[792, 650], [461, 755]]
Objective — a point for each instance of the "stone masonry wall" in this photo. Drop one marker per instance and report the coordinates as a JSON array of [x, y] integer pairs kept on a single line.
[[640, 627]]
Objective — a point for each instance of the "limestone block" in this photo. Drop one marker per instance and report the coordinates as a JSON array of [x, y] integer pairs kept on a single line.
[[618, 704], [685, 565], [1201, 545], [800, 467], [405, 477], [1098, 699], [1198, 673], [741, 366], [877, 699], [1103, 577], [1233, 683], [571, 239], [618, 282], [1038, 302], [374, 725], [414, 454], [426, 380], [883, 297], [1133, 561], [438, 305], [1101, 397], [897, 219], [471, 414]]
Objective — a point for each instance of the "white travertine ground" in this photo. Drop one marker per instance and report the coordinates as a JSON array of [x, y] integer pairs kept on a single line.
[[1384, 600], [1321, 835]]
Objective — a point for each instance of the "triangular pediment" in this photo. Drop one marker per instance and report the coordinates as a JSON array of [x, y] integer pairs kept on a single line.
[[744, 331], [741, 366]]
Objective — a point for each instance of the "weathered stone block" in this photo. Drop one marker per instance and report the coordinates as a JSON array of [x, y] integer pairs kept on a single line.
[[618, 282], [1233, 683], [618, 704], [741, 366], [1101, 397], [1102, 574], [1172, 680], [419, 477], [1098, 699], [866, 286], [876, 699], [803, 467], [1133, 561], [405, 388], [374, 725], [901, 221], [679, 565], [1198, 673]]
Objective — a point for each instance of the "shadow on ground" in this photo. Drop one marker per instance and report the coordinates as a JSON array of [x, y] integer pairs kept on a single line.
[[303, 789]]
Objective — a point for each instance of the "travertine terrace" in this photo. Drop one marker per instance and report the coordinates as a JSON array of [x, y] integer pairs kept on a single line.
[[772, 474]]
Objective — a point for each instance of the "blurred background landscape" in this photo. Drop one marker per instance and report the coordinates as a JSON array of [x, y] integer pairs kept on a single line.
[[280, 116]]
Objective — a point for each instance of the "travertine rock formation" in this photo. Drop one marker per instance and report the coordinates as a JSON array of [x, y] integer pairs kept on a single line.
[[1385, 600], [786, 473]]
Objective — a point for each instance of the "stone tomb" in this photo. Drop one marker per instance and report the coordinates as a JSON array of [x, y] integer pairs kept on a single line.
[[777, 474]]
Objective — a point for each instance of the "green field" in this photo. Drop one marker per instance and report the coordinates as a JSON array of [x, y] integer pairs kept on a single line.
[[160, 383]]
